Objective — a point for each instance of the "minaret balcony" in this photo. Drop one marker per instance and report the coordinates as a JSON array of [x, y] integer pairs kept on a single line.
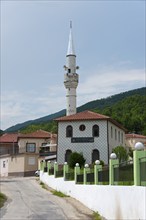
[[71, 81]]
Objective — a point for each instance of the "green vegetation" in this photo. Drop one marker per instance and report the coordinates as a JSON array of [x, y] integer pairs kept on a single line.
[[121, 153], [43, 185], [3, 198], [130, 112], [96, 216], [58, 193], [76, 158], [46, 126]]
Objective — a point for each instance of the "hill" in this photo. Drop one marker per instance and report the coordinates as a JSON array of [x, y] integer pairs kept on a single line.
[[120, 107]]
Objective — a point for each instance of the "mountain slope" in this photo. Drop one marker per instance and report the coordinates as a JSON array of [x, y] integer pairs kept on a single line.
[[98, 104]]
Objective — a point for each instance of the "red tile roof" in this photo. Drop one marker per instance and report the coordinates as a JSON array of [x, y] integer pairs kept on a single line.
[[36, 134], [9, 138], [135, 136], [88, 115]]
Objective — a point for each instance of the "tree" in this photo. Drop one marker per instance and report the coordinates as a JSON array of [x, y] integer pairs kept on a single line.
[[121, 153], [76, 158]]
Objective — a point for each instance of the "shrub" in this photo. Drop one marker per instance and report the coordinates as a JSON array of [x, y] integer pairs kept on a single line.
[[76, 158], [121, 153]]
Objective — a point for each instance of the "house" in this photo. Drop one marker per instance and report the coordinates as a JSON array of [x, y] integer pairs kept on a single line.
[[19, 156], [132, 139], [92, 134]]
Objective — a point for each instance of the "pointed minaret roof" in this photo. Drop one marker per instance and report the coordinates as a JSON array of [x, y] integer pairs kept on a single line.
[[70, 50]]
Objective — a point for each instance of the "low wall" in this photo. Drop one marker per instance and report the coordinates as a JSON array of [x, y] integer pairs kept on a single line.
[[111, 202]]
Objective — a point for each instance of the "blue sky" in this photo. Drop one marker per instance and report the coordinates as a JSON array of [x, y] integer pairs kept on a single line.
[[109, 39]]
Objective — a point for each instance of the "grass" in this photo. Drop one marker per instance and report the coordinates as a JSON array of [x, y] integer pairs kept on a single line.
[[43, 185], [96, 216], [3, 198], [58, 193]]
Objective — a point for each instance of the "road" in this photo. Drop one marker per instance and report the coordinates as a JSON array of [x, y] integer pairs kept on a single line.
[[28, 200]]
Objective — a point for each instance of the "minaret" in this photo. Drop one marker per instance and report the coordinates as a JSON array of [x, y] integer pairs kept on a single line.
[[71, 77]]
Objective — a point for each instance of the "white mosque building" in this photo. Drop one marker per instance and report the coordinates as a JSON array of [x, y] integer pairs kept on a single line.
[[92, 134]]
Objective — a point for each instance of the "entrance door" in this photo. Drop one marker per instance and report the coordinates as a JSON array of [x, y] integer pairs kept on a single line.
[[67, 155], [95, 155]]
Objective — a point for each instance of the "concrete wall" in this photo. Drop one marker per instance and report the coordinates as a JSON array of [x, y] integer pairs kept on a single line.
[[4, 161], [112, 202]]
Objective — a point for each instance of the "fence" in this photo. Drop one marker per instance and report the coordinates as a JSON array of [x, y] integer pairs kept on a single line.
[[129, 173], [142, 170], [123, 173]]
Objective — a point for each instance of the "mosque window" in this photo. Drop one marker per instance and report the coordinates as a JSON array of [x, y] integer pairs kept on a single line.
[[82, 127], [69, 131], [95, 131], [69, 70]]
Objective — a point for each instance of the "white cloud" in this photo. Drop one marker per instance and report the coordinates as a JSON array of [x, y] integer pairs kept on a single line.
[[17, 107]]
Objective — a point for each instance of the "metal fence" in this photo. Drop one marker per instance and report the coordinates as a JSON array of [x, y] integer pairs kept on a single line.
[[80, 178], [59, 173], [51, 171], [142, 170], [90, 177], [69, 175], [103, 176], [123, 173]]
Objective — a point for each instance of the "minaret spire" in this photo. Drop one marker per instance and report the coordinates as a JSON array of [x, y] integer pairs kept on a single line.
[[70, 77], [70, 50]]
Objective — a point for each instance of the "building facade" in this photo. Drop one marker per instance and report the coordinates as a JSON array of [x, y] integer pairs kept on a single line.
[[92, 134], [20, 158]]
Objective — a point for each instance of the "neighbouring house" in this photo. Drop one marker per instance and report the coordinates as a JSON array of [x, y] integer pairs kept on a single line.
[[21, 156], [92, 134], [132, 139]]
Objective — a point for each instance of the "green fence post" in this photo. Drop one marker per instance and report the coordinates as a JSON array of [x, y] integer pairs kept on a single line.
[[55, 168], [86, 170], [114, 162], [138, 154], [49, 166], [97, 168], [77, 171], [65, 170]]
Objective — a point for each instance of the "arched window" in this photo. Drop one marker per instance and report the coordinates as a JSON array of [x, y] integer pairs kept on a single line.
[[95, 131], [95, 155], [67, 155], [69, 131]]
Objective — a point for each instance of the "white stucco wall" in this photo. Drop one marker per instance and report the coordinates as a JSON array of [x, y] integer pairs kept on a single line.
[[112, 202], [4, 163], [114, 142], [100, 143]]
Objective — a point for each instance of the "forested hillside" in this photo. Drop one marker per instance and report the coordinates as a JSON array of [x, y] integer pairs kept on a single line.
[[128, 108]]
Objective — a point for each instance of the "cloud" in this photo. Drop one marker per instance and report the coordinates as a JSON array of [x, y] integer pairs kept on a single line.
[[17, 107], [108, 81]]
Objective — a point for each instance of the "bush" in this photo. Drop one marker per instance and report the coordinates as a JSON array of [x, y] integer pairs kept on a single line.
[[76, 158], [121, 153]]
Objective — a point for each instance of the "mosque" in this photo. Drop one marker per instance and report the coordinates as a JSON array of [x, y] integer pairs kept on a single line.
[[92, 134]]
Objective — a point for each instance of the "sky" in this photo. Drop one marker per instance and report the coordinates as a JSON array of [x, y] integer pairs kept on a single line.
[[109, 39]]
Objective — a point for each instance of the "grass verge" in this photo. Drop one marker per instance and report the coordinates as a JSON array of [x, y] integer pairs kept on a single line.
[[58, 193], [3, 198], [96, 216], [43, 185]]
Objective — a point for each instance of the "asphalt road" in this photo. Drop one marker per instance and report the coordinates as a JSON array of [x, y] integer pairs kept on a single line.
[[28, 200]]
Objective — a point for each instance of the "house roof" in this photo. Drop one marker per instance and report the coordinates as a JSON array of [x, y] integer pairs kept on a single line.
[[86, 116], [36, 134], [9, 138], [135, 136]]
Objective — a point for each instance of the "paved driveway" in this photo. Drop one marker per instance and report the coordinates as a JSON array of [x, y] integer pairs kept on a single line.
[[27, 200]]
